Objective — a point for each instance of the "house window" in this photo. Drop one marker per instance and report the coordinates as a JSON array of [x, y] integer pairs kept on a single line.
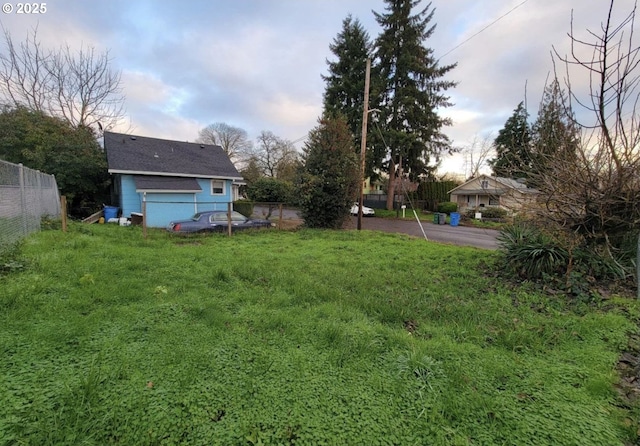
[[484, 184], [494, 201], [217, 187]]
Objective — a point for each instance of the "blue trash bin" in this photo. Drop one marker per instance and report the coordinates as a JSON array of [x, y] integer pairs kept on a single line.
[[110, 212], [454, 218]]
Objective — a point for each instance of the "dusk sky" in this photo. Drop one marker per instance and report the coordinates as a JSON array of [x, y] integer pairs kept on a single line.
[[257, 64]]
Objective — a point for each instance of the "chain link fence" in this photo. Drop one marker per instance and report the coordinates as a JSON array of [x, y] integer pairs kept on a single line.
[[26, 195]]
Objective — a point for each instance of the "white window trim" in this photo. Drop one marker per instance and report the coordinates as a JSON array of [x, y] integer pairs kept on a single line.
[[224, 187]]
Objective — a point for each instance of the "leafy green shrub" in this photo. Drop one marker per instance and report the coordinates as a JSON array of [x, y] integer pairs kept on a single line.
[[597, 266], [566, 265], [530, 253], [245, 207], [447, 207], [488, 212], [270, 190]]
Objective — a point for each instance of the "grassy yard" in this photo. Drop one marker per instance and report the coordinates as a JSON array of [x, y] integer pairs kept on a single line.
[[307, 337]]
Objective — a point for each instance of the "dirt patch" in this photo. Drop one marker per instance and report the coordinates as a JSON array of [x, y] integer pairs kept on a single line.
[[289, 224], [629, 370]]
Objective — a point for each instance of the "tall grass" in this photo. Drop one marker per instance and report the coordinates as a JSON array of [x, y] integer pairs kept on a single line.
[[308, 337]]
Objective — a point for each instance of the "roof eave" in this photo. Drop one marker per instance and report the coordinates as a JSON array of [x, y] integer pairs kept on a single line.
[[166, 174], [479, 192], [167, 191]]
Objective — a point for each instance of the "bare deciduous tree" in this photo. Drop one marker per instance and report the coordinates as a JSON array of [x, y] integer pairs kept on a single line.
[[232, 139], [79, 87], [476, 155], [274, 156], [595, 194]]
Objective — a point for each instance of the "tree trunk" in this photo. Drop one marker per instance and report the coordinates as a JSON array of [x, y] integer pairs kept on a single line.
[[391, 190]]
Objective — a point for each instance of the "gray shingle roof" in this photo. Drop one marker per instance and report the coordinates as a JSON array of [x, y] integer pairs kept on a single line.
[[511, 182], [152, 156], [508, 183]]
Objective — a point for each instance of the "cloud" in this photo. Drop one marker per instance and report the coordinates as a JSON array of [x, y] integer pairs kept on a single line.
[[290, 115], [257, 64]]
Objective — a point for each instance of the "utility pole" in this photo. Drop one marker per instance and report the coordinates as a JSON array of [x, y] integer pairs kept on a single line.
[[363, 144]]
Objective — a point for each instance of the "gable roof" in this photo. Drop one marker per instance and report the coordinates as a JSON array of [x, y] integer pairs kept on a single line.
[[140, 155], [498, 186]]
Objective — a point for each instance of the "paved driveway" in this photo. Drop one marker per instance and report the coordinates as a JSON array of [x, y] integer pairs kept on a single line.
[[457, 235]]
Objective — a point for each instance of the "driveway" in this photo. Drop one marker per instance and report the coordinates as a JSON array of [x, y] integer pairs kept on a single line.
[[457, 235]]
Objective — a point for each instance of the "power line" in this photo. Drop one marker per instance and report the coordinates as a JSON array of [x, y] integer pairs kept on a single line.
[[483, 29], [302, 138]]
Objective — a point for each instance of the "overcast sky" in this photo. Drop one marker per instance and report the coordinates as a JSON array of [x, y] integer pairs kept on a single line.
[[257, 64]]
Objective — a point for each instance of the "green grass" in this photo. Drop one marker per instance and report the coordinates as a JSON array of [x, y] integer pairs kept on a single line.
[[308, 337], [428, 218], [384, 213]]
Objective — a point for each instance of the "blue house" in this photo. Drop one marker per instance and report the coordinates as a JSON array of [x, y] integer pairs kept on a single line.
[[173, 179]]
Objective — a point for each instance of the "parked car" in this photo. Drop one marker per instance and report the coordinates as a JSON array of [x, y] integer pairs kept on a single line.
[[217, 221], [366, 212]]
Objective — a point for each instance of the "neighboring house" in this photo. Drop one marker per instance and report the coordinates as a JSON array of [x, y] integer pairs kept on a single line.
[[373, 187], [175, 179], [486, 190]]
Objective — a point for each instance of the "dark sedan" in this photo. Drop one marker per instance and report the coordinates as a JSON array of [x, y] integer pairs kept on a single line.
[[217, 221]]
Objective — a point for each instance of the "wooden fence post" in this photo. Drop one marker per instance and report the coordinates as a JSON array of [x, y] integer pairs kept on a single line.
[[144, 215], [63, 212]]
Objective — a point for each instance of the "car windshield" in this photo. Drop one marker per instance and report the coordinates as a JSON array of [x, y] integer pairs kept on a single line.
[[237, 216], [223, 217], [196, 217]]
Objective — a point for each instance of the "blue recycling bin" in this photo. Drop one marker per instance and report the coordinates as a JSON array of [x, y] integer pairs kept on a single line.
[[454, 218], [110, 212]]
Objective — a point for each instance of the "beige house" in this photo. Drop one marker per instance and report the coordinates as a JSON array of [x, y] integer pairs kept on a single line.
[[485, 190], [373, 187]]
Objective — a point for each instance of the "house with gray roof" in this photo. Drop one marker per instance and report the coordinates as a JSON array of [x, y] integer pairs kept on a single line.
[[484, 190], [171, 180]]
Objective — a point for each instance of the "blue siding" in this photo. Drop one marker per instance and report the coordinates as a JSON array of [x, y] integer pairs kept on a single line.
[[130, 200], [165, 207]]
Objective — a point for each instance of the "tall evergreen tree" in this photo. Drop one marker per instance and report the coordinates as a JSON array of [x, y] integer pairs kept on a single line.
[[412, 93], [555, 135], [329, 179], [513, 146], [344, 93]]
